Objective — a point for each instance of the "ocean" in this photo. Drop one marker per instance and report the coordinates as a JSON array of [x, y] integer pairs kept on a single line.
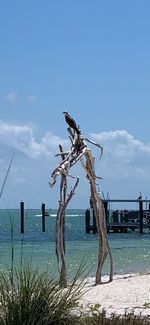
[[130, 251]]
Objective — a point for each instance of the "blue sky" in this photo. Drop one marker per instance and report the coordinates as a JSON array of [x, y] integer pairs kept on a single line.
[[91, 58]]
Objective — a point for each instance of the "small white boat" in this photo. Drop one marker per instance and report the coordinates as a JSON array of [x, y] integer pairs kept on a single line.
[[47, 213]]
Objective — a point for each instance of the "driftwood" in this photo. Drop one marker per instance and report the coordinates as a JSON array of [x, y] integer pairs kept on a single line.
[[79, 151], [60, 224]]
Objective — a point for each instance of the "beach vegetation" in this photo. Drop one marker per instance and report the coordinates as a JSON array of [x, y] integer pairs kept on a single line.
[[6, 176], [29, 297], [147, 305], [101, 318]]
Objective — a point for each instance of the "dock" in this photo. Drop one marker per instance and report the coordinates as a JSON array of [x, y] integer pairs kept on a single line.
[[121, 220]]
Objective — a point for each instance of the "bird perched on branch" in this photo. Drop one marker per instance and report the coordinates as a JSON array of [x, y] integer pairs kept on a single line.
[[70, 121]]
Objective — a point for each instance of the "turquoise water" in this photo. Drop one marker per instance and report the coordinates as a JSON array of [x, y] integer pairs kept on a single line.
[[131, 251]]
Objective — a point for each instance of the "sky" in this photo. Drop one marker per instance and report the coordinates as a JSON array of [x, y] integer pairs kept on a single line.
[[92, 59]]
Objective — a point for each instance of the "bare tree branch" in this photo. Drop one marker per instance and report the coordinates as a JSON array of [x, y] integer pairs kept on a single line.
[[95, 144]]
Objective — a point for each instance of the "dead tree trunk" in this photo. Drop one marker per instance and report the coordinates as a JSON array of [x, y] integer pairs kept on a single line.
[[60, 219], [78, 151], [99, 212], [60, 230], [60, 225]]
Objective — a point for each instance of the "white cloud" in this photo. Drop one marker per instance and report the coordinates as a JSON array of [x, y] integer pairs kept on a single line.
[[124, 155], [22, 138], [12, 97], [31, 98], [121, 144], [122, 151], [124, 166]]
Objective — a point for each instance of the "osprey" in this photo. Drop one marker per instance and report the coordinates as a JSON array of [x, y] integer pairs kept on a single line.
[[70, 121]]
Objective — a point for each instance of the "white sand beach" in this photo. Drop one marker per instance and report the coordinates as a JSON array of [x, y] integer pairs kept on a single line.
[[128, 293]]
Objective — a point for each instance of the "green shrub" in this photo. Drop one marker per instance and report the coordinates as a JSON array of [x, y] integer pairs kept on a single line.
[[32, 298], [100, 318]]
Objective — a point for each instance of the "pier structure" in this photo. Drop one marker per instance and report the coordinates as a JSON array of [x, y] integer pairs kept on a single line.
[[121, 220]]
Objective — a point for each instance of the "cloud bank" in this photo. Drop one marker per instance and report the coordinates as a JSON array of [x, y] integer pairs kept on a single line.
[[21, 138], [120, 147], [124, 155], [124, 166]]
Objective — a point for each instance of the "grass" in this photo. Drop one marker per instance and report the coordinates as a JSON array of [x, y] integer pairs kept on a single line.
[[33, 298], [6, 176], [100, 318]]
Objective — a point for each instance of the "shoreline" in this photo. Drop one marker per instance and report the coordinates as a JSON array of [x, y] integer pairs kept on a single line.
[[128, 293]]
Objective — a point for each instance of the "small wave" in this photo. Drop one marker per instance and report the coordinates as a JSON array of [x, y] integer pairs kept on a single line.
[[68, 215], [74, 215], [51, 215]]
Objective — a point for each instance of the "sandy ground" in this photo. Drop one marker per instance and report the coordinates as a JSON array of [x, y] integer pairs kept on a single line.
[[130, 293]]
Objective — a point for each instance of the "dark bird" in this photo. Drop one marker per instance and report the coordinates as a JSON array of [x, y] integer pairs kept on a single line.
[[140, 197], [70, 121]]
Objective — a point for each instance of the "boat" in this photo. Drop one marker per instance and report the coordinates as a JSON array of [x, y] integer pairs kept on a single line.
[[48, 213]]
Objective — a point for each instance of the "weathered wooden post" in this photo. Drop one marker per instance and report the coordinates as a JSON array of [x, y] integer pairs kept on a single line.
[[87, 221], [105, 203], [22, 216], [94, 223], [141, 216], [43, 217]]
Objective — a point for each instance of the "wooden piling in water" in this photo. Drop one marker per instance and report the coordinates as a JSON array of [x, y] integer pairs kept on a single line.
[[105, 203], [43, 217], [141, 216], [94, 223], [87, 221], [22, 217]]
